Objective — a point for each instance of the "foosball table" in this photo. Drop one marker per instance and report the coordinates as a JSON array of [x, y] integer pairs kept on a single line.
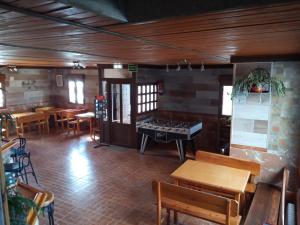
[[165, 131]]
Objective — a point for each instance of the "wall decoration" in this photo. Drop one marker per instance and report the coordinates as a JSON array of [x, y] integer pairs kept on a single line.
[[59, 81]]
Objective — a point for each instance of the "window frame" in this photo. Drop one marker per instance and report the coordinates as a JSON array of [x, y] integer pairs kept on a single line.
[[2, 81], [224, 80], [75, 79], [154, 101]]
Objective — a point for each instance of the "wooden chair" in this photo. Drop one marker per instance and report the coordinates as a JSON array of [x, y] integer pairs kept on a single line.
[[195, 203], [48, 201], [251, 166]]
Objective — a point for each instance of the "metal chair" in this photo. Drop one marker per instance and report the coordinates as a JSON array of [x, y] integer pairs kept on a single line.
[[22, 167]]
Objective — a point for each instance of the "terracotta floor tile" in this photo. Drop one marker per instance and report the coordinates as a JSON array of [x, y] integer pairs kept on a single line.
[[108, 185]]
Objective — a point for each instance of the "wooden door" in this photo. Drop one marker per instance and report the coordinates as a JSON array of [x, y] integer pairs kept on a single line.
[[121, 112]]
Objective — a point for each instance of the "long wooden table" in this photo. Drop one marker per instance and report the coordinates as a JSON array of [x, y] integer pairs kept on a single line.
[[213, 177], [30, 117]]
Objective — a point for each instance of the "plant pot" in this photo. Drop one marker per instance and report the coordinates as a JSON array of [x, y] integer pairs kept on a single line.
[[258, 89]]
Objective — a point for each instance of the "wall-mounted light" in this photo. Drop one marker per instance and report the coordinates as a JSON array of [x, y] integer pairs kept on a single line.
[[77, 66], [190, 66], [167, 68], [118, 66], [178, 67], [202, 67]]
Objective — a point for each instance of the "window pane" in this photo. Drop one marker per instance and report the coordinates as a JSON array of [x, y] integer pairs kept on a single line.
[[1, 98], [152, 88], [144, 98], [143, 108], [139, 98], [155, 97], [148, 97], [115, 102], [227, 103], [152, 106], [80, 96], [155, 105], [139, 89], [152, 98], [148, 88], [72, 97], [139, 108], [143, 89], [155, 88], [148, 106], [126, 104]]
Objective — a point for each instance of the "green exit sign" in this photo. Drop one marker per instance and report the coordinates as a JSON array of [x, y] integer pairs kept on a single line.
[[132, 67]]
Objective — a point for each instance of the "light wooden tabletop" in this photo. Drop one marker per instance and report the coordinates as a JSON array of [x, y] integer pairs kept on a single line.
[[86, 115], [213, 175], [17, 115]]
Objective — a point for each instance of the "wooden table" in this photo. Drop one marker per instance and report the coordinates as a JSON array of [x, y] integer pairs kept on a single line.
[[213, 177], [88, 116], [55, 112], [30, 117]]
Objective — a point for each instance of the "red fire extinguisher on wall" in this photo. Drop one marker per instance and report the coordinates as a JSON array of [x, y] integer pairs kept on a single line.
[[160, 87]]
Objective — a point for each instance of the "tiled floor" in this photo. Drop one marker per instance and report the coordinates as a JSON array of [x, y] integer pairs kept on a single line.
[[108, 185]]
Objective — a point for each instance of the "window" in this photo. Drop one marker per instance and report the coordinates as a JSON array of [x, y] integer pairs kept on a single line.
[[76, 91], [146, 97], [226, 100], [2, 96]]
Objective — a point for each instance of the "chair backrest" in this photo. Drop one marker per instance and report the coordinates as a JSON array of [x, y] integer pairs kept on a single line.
[[195, 202], [39, 200], [251, 166], [44, 109], [285, 182]]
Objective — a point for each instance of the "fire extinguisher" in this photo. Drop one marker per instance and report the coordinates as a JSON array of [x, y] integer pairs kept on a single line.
[[160, 87]]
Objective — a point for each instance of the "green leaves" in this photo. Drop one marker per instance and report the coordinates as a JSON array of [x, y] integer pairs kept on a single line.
[[260, 78]]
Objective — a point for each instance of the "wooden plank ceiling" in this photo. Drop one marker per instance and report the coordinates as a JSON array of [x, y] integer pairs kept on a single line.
[[211, 38]]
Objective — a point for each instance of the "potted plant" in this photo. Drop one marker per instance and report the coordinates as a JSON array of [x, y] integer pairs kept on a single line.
[[257, 81]]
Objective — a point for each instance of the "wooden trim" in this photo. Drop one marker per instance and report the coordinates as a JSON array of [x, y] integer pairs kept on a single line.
[[245, 147], [276, 58]]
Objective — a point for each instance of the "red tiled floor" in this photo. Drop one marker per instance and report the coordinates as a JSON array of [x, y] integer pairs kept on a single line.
[[108, 185]]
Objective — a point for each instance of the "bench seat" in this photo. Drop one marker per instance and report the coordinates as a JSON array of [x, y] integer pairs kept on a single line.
[[265, 205]]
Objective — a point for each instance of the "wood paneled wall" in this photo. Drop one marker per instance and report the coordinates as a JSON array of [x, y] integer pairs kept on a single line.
[[27, 88]]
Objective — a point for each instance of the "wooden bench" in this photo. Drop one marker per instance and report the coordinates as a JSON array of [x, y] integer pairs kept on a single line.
[[195, 203], [268, 205], [230, 161]]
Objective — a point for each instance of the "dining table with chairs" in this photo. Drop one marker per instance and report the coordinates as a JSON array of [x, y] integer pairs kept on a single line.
[[212, 187]]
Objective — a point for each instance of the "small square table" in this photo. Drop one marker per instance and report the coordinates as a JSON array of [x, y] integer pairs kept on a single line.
[[213, 177]]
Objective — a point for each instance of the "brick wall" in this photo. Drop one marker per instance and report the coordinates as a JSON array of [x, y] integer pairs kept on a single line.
[[27, 88], [60, 96], [190, 96]]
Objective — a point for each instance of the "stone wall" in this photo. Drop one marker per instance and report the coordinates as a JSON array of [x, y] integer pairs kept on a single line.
[[27, 88], [283, 128]]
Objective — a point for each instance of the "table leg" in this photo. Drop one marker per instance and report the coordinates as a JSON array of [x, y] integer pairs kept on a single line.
[[91, 127], [78, 126], [144, 143], [237, 197], [55, 120]]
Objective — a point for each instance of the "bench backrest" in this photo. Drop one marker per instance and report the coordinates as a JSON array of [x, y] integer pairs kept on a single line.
[[285, 182], [223, 160], [196, 203]]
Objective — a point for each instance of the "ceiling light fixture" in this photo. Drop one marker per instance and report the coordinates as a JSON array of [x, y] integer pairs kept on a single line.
[[202, 67], [167, 68], [178, 67], [77, 66], [12, 68], [118, 66]]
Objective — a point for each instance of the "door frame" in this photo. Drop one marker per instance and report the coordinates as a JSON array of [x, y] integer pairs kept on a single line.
[[133, 100]]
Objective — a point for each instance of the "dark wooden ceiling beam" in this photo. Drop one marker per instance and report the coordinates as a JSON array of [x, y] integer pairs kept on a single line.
[[145, 41]]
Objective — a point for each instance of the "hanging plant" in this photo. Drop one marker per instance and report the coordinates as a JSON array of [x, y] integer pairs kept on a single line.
[[257, 81]]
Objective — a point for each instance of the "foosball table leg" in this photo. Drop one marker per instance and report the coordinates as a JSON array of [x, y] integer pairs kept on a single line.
[[180, 148], [143, 143]]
